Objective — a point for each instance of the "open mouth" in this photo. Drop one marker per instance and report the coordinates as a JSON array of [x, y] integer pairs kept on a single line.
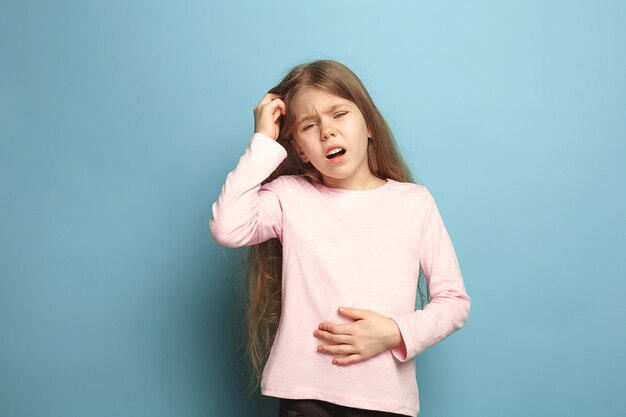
[[335, 153]]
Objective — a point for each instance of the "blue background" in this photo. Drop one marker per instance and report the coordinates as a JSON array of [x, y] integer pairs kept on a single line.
[[120, 120]]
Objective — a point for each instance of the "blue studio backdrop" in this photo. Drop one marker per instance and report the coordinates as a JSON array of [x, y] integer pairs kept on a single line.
[[120, 120]]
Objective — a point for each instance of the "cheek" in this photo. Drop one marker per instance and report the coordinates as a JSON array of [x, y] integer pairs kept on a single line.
[[356, 127], [301, 149]]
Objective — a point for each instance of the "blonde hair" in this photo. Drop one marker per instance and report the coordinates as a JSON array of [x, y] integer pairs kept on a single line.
[[264, 261]]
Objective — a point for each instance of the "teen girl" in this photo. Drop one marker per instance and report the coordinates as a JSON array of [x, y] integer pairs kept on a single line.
[[340, 234]]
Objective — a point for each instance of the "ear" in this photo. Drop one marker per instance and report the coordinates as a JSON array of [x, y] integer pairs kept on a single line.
[[369, 133]]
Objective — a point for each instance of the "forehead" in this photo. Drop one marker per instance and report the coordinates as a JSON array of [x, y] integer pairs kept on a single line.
[[314, 100]]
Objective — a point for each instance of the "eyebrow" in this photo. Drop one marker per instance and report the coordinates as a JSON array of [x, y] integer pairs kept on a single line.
[[330, 110]]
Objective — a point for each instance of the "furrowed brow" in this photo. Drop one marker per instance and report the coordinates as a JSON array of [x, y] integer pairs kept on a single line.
[[330, 110]]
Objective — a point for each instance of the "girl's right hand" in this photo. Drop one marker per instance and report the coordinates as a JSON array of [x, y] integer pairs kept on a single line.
[[266, 115]]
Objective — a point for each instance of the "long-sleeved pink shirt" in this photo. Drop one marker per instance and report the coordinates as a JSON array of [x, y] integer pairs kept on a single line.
[[350, 248]]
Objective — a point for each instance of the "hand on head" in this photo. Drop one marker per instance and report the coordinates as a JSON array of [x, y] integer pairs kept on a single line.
[[267, 114]]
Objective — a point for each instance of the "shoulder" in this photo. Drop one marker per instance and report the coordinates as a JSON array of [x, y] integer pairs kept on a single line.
[[410, 190], [288, 184], [415, 197]]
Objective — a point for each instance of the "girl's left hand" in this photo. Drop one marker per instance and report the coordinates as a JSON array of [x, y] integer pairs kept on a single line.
[[369, 335]]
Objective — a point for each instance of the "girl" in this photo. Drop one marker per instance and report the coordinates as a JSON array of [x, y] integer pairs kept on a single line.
[[340, 234]]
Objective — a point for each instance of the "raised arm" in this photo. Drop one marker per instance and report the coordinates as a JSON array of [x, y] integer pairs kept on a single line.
[[245, 212]]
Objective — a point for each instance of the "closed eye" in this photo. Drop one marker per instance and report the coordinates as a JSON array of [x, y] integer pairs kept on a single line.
[[338, 115]]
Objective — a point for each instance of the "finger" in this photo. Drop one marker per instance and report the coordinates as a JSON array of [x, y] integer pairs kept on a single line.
[[281, 109], [334, 338], [268, 98], [274, 107], [336, 328], [353, 313], [348, 360], [277, 104], [337, 350]]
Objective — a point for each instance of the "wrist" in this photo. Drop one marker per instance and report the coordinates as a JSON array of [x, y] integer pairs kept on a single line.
[[260, 132], [395, 337]]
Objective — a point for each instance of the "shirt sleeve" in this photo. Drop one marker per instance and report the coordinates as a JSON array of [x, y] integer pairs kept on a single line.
[[247, 213], [449, 305]]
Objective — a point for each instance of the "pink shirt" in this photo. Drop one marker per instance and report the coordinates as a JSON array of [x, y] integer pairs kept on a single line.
[[351, 248]]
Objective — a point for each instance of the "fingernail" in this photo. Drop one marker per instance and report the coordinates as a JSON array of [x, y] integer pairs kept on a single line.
[[319, 348]]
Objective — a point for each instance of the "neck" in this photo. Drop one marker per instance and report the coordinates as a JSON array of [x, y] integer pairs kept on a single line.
[[369, 183]]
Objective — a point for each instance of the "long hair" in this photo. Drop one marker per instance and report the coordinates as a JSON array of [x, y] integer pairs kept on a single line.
[[265, 259]]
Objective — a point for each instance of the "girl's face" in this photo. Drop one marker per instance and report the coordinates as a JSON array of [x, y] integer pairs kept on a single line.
[[325, 122]]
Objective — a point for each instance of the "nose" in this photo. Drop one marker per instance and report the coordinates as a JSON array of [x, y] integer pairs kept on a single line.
[[327, 131]]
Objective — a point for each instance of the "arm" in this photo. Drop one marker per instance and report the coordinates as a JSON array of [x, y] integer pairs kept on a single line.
[[406, 335], [245, 212], [450, 304]]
